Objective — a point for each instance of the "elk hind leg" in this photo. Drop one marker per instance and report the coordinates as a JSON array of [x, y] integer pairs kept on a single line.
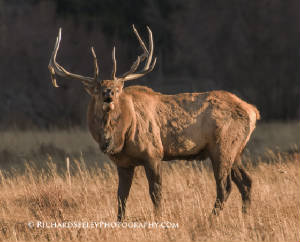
[[243, 181], [223, 183], [153, 173]]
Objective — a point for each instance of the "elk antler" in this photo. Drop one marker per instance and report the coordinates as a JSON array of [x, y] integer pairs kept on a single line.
[[56, 69], [131, 75]]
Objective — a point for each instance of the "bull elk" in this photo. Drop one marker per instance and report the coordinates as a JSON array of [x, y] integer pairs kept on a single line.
[[137, 126]]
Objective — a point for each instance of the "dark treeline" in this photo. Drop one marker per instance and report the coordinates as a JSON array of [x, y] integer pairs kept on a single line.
[[250, 48]]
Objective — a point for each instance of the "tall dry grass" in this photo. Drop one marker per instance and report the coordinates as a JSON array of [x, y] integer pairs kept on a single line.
[[86, 192]]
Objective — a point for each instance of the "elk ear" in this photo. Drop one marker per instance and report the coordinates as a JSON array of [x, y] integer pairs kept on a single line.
[[121, 84]]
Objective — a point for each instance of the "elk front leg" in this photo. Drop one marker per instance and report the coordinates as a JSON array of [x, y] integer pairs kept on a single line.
[[125, 181], [153, 173]]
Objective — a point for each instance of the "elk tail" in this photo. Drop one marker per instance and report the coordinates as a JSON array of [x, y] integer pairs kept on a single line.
[[256, 112]]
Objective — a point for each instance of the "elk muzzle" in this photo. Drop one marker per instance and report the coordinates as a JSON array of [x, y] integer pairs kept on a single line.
[[108, 103], [108, 95]]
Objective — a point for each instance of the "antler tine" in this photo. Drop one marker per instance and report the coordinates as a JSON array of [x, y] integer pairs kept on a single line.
[[56, 69], [152, 65], [114, 71], [134, 76], [133, 68], [146, 52], [130, 75], [53, 57], [150, 49], [96, 67], [140, 58]]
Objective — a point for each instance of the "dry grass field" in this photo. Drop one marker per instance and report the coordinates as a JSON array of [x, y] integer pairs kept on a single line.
[[42, 199]]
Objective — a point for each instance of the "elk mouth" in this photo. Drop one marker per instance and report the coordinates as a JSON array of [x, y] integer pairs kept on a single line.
[[108, 104], [108, 100]]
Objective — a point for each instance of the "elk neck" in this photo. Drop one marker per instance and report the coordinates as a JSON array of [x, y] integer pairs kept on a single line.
[[102, 122]]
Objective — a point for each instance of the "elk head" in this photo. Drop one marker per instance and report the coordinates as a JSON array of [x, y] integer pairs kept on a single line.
[[106, 92]]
